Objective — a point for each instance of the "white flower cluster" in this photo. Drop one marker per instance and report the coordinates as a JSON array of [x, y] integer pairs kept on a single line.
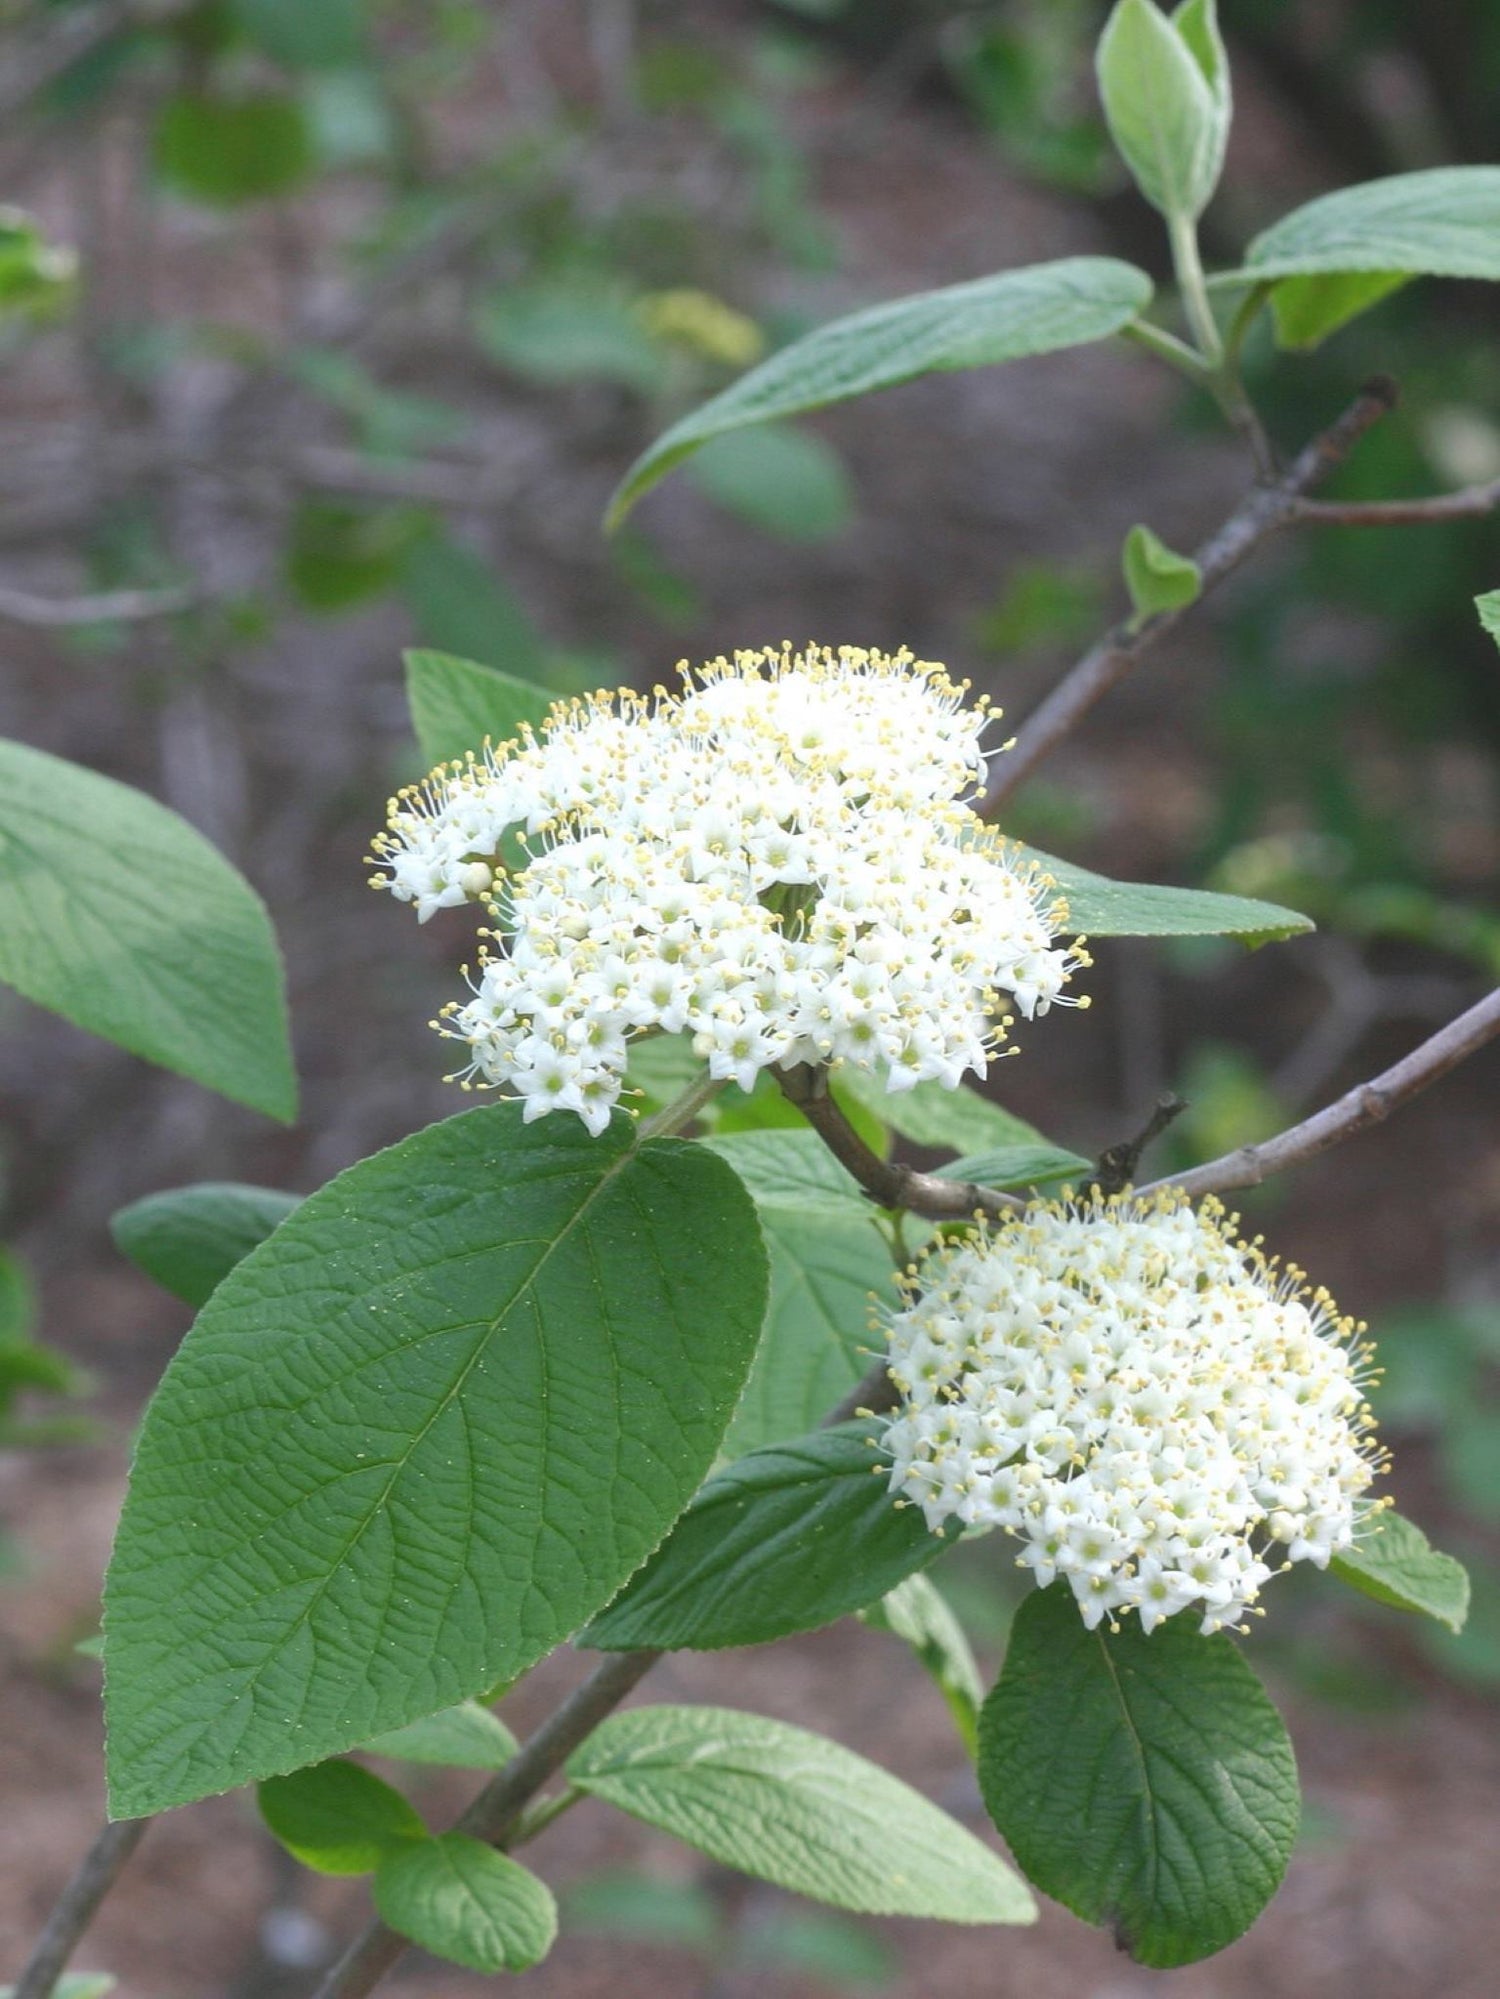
[[776, 860], [1145, 1401]]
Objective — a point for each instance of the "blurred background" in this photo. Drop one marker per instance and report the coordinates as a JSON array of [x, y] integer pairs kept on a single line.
[[374, 301]]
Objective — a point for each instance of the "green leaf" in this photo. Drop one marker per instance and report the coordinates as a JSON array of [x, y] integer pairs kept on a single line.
[[787, 1538], [337, 1817], [189, 1238], [792, 1169], [1396, 1564], [564, 330], [463, 1901], [779, 479], [816, 1342], [1018, 1166], [116, 914], [1488, 607], [17, 1299], [622, 1904], [305, 34], [456, 704], [1441, 222], [1099, 907], [957, 1120], [975, 325], [1144, 1781], [412, 1442], [38, 279], [1307, 310], [225, 150], [460, 606], [466, 1737], [1157, 577], [918, 1612], [338, 555], [1165, 86], [789, 1807]]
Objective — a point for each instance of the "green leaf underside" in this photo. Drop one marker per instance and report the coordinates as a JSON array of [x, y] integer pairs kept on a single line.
[[118, 915], [463, 1901], [1098, 907], [792, 1169], [1307, 310], [785, 1539], [790, 1807], [1394, 1563], [1157, 577], [189, 1238], [465, 1737], [1017, 1166], [456, 703], [1145, 1782], [413, 1441], [338, 1818], [1488, 607], [958, 1120], [917, 1612], [1164, 115], [1003, 317], [817, 1339], [1439, 222]]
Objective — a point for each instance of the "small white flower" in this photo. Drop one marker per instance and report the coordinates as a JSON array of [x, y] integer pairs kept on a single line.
[[1154, 1410], [779, 861]]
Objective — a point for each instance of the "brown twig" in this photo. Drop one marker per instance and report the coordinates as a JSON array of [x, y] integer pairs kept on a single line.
[[494, 1813], [886, 1181], [1265, 509], [1467, 504], [1117, 1163], [76, 1905], [1366, 1104]]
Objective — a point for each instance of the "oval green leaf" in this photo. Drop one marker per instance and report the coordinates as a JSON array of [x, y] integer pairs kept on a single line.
[[463, 1901], [118, 915], [337, 1818], [465, 1737], [975, 325], [189, 1238], [1441, 222], [1099, 907], [1395, 1563], [826, 1274], [792, 1169], [1145, 1782], [1165, 87], [793, 1808], [413, 1441], [456, 704], [785, 1539], [778, 479]]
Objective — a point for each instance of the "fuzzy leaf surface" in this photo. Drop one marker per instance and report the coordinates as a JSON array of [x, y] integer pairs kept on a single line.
[[791, 1807], [1004, 317]]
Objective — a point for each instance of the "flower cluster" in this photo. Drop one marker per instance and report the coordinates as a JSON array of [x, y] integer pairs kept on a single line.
[[776, 860], [1144, 1400]]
